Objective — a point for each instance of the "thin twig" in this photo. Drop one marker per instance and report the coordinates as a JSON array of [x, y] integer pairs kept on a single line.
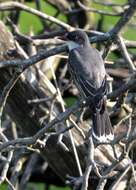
[[4, 97], [10, 184], [127, 15], [83, 7], [90, 164], [18, 165], [109, 4], [125, 53], [6, 166], [28, 170], [16, 5], [116, 183], [3, 100], [101, 184], [67, 122]]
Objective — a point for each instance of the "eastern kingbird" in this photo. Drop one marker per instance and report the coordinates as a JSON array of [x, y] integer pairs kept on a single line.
[[86, 67]]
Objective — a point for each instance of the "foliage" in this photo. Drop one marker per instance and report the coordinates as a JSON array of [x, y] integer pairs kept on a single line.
[[39, 103]]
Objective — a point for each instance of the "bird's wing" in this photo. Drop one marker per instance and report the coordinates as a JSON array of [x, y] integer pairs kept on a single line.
[[89, 89], [85, 74]]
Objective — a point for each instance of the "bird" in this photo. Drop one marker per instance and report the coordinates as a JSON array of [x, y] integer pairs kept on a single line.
[[87, 69]]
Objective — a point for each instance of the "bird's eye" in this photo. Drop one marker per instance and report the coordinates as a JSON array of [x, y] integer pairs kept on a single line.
[[76, 37]]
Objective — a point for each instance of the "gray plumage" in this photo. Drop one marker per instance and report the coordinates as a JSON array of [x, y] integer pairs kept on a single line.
[[88, 72]]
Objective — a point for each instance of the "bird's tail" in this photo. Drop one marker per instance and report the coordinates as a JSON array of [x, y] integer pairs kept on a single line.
[[102, 129]]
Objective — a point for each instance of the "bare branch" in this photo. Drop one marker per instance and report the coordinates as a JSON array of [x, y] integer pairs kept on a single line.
[[16, 5]]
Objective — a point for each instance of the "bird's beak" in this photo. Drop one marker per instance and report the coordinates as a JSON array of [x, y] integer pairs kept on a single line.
[[63, 37]]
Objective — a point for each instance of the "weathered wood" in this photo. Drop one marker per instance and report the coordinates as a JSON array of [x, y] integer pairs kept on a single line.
[[28, 118]]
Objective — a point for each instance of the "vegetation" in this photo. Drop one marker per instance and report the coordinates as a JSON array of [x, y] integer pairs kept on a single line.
[[39, 103]]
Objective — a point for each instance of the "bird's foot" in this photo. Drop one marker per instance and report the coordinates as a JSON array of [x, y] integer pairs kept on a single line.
[[61, 143], [74, 182]]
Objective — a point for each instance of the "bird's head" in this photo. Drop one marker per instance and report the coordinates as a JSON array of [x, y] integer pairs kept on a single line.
[[76, 39], [77, 36]]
